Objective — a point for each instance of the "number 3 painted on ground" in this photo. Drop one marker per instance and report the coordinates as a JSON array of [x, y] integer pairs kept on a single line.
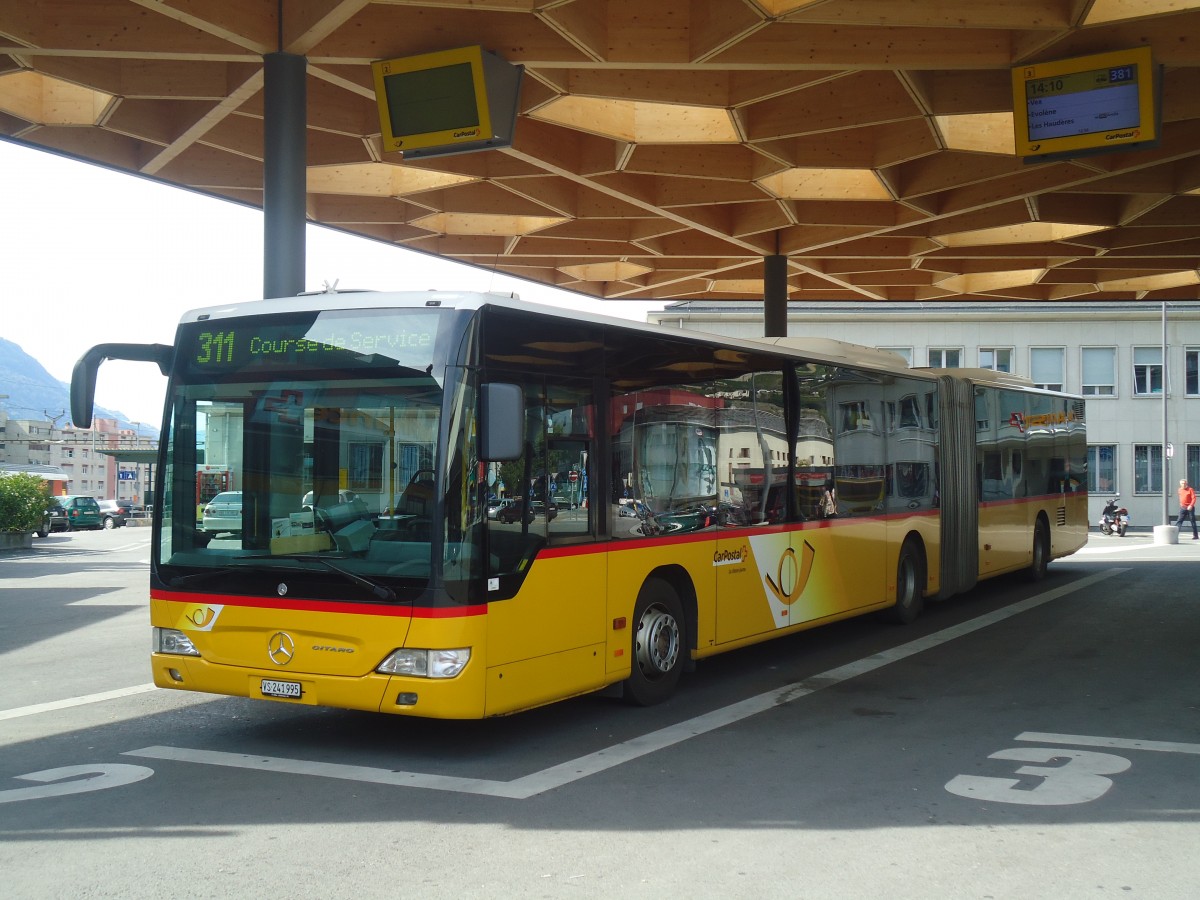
[[1079, 779], [98, 778]]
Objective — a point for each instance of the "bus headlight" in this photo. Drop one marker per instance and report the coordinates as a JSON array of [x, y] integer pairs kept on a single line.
[[168, 640], [425, 663]]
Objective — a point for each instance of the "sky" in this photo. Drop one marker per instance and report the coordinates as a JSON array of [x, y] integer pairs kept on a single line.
[[90, 256]]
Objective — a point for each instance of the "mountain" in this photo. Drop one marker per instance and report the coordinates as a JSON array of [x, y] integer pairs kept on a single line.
[[33, 393]]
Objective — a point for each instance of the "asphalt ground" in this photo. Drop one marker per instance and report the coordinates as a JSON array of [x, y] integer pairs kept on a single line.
[[1023, 740]]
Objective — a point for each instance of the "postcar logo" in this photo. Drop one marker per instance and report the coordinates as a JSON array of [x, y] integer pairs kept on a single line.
[[731, 557], [201, 618], [791, 577], [1020, 421]]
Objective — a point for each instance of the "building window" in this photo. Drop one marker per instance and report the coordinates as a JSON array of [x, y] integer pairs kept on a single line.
[[1193, 464], [1102, 468], [1147, 371], [1191, 371], [1099, 371], [998, 359], [945, 357], [1046, 367], [906, 352], [1147, 469], [856, 416]]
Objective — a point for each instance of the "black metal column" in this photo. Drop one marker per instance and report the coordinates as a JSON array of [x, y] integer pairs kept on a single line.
[[775, 296], [284, 169]]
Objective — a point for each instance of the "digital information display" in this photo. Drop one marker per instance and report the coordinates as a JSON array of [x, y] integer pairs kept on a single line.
[[323, 340], [433, 100], [1086, 104], [448, 101]]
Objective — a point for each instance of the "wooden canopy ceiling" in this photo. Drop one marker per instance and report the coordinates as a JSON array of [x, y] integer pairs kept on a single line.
[[663, 147]]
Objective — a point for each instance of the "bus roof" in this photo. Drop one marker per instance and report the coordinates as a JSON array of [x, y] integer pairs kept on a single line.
[[820, 350]]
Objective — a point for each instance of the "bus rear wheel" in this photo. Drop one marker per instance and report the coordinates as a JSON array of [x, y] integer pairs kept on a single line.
[[910, 584], [658, 651], [1041, 551]]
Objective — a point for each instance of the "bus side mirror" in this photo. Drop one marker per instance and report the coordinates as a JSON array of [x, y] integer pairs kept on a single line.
[[83, 377], [501, 422]]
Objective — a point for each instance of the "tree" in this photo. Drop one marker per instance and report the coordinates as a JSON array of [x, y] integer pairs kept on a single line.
[[22, 502]]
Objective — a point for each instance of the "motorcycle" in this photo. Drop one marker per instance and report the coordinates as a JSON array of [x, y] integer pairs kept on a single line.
[[1114, 519]]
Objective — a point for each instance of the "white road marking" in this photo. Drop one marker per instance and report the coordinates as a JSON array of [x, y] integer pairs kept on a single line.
[[22, 711], [137, 601], [1110, 549], [82, 779], [1083, 740], [593, 763], [1081, 779]]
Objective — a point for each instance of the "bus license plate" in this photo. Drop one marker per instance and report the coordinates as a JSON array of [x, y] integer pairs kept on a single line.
[[289, 689]]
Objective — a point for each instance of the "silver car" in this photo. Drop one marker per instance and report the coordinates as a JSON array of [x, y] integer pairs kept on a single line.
[[223, 512]]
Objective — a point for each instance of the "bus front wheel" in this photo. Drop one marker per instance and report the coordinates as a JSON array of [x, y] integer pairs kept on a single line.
[[658, 651]]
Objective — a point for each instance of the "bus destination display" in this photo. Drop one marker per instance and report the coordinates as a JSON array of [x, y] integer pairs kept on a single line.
[[1084, 105], [328, 342]]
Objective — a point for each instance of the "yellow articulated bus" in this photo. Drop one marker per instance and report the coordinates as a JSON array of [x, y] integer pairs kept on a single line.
[[460, 505]]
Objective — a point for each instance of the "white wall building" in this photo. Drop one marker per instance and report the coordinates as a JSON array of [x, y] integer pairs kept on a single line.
[[1109, 352], [83, 454]]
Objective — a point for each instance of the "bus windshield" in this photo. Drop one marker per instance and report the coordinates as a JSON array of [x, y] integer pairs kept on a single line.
[[304, 442]]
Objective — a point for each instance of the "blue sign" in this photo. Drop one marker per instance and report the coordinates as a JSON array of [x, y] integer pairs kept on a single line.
[[126, 475]]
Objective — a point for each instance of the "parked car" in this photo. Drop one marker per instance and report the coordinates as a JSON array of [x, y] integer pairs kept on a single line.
[[516, 511], [688, 518], [633, 509], [113, 514], [223, 513], [493, 510], [55, 518], [81, 512], [343, 496]]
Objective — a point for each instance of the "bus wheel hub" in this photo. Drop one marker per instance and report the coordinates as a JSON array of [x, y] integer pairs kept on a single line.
[[657, 642]]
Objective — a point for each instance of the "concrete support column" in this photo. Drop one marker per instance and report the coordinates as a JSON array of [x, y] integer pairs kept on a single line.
[[775, 296], [284, 171]]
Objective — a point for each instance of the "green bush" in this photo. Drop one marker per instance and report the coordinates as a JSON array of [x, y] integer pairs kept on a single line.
[[22, 502]]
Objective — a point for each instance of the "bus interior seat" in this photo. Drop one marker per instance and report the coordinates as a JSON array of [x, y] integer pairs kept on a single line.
[[417, 499]]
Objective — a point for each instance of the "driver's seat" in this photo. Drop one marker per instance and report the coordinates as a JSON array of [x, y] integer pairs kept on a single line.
[[417, 499]]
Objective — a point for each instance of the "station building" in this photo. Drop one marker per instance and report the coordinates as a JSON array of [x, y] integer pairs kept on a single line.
[[86, 457], [1110, 352]]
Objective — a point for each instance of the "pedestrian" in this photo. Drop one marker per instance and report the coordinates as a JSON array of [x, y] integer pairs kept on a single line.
[[829, 505], [1187, 507]]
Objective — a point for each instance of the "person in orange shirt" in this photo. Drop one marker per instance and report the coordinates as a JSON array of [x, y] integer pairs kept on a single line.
[[1187, 507]]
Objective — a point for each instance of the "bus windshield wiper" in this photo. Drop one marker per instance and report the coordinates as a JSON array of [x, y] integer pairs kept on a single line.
[[382, 591], [180, 580]]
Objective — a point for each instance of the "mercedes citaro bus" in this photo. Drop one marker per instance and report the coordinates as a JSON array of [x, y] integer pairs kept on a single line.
[[368, 434]]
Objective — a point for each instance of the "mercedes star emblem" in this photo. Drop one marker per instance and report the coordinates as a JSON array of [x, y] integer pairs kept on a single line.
[[281, 648]]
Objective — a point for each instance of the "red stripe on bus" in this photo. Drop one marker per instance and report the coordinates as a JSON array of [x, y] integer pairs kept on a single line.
[[614, 545]]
